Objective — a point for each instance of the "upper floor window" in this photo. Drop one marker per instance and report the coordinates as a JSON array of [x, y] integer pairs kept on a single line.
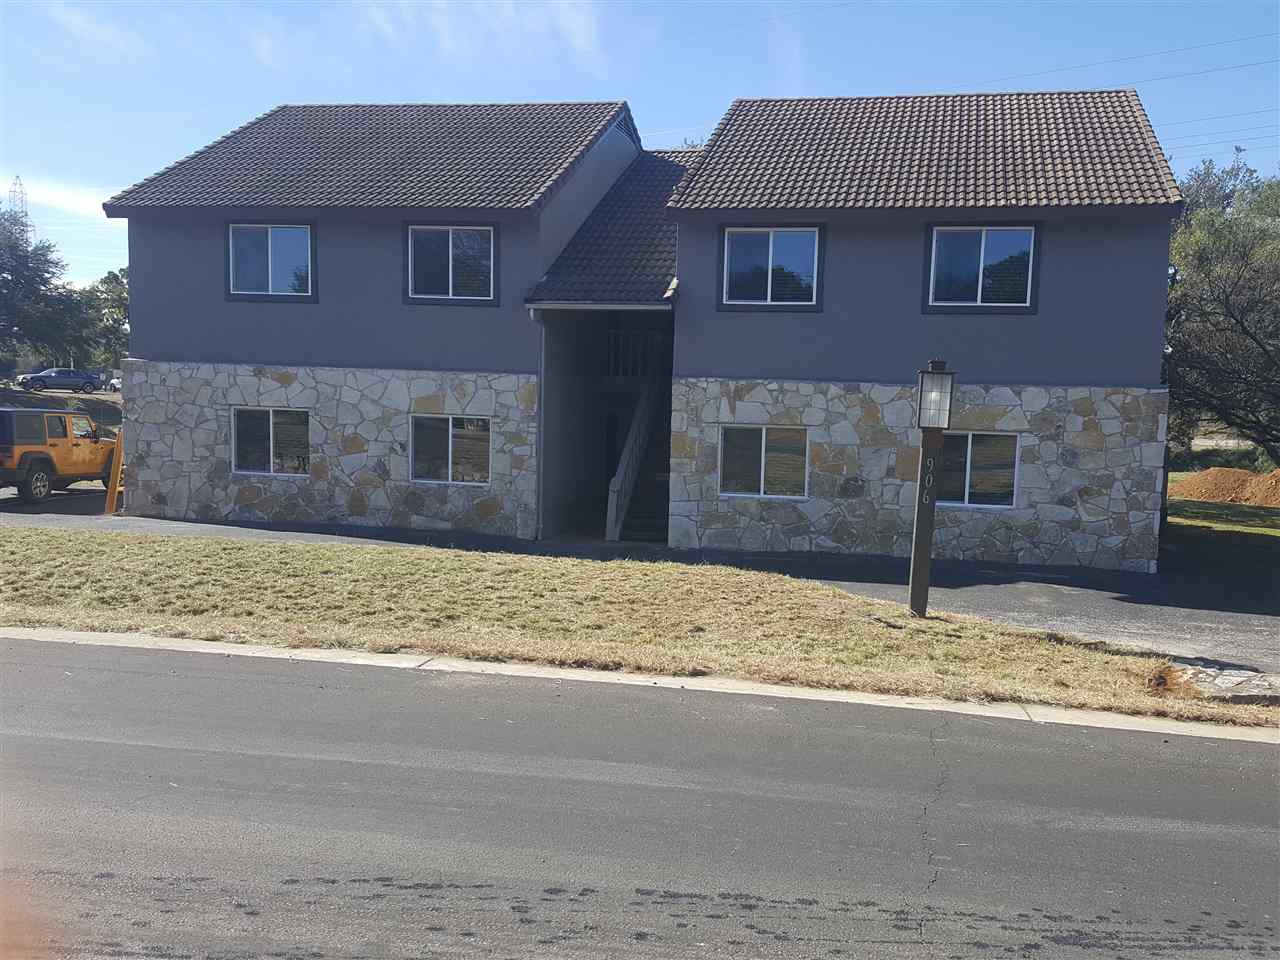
[[981, 266], [270, 259], [454, 263], [765, 265]]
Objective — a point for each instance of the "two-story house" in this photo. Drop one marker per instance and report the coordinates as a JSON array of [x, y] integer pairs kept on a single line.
[[514, 319]]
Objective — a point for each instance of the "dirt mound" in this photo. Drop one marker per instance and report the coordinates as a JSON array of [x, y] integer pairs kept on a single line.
[[1227, 485]]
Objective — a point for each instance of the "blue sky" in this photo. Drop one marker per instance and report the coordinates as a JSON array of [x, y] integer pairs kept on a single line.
[[95, 96]]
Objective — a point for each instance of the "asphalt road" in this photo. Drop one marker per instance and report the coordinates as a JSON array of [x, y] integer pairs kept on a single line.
[[1185, 611], [163, 805]]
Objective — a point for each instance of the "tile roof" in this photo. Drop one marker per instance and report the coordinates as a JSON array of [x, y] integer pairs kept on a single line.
[[625, 251], [506, 155], [1070, 148]]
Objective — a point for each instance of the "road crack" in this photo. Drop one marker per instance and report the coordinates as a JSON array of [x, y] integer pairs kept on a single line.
[[928, 846]]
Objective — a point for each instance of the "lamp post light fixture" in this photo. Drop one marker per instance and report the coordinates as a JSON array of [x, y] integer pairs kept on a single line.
[[933, 415]]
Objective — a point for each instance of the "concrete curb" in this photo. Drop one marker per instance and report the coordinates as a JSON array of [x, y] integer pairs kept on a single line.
[[1026, 712]]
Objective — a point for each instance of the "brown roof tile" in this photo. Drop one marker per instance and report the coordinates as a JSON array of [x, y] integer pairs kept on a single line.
[[963, 150], [625, 251], [507, 155]]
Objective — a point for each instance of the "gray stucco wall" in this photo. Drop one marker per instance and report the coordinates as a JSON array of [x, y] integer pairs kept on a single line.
[[179, 310], [1102, 289], [590, 180]]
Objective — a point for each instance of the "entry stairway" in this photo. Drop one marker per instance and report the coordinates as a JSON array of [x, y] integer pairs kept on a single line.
[[638, 492]]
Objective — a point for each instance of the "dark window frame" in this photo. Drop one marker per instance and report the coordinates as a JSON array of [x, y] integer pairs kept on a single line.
[[415, 300], [232, 296], [968, 469], [819, 270], [764, 461], [1031, 308], [450, 417], [271, 471]]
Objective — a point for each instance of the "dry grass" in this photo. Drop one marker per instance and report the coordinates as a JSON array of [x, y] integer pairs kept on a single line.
[[659, 617]]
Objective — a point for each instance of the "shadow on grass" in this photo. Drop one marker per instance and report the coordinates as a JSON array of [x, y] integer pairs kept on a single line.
[[1262, 520]]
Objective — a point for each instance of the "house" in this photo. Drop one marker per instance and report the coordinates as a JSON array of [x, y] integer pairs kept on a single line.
[[514, 319]]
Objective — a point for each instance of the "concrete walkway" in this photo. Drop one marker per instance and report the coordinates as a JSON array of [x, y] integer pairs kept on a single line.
[[1184, 611]]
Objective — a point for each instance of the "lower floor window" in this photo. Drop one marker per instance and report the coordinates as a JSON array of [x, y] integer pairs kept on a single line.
[[271, 441], [978, 468], [451, 449], [764, 461]]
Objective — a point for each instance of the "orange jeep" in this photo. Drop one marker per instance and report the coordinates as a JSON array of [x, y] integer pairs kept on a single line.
[[44, 450]]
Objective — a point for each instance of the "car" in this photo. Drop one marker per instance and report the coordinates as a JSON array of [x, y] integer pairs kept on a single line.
[[46, 450], [60, 378]]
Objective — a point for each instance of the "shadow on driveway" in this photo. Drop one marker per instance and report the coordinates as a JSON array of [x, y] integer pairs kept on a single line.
[[78, 500]]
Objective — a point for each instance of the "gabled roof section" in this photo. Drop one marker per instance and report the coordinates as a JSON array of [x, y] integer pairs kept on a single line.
[[1073, 148], [625, 251], [485, 155]]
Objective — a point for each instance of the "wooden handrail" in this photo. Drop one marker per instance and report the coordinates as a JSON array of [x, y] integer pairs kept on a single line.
[[623, 484]]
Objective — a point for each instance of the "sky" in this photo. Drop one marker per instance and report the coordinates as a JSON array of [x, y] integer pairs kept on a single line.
[[96, 96]]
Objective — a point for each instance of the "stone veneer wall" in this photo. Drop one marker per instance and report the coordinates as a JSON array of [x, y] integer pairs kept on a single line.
[[177, 430], [1089, 475]]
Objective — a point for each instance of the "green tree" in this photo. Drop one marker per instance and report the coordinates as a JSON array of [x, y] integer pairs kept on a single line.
[[1211, 187], [1223, 331], [108, 303], [41, 313]]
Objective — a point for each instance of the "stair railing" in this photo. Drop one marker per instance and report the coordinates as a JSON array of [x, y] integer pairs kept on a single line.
[[623, 484]]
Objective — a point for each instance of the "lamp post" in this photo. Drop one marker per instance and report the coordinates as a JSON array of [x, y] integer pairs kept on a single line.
[[933, 415]]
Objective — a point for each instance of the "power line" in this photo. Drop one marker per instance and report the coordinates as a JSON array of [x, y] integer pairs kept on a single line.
[[1198, 73], [1220, 116], [1245, 156], [1214, 143], [1136, 56], [1216, 133]]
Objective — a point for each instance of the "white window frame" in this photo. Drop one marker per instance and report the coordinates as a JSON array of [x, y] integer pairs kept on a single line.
[[271, 442], [768, 301], [449, 453], [982, 256], [968, 468], [449, 228], [762, 427], [231, 261]]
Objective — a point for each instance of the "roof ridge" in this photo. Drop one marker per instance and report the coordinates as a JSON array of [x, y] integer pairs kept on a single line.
[[939, 95], [194, 153], [460, 103]]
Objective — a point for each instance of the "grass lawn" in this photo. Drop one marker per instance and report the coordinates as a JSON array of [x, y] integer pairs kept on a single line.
[[659, 617]]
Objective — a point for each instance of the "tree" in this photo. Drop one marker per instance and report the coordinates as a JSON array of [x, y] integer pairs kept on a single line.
[[109, 308], [1210, 187], [42, 314], [1223, 332]]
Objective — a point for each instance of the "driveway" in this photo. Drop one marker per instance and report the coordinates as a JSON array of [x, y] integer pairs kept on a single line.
[[164, 804], [1184, 611]]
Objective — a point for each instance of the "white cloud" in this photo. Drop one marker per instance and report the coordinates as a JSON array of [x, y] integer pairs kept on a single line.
[[266, 49], [99, 34], [505, 28], [71, 199]]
